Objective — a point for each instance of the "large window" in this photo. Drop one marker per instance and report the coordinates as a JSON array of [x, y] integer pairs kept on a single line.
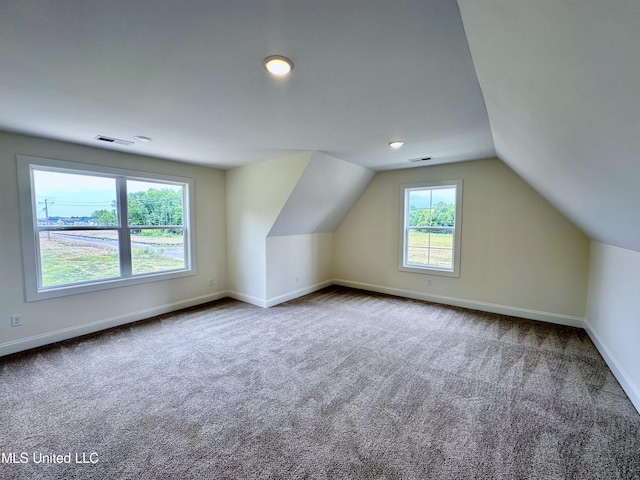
[[431, 228], [87, 228]]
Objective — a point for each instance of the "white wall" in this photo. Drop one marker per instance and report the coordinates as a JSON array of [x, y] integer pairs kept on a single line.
[[613, 312], [297, 265], [519, 255], [280, 218], [255, 195], [51, 320]]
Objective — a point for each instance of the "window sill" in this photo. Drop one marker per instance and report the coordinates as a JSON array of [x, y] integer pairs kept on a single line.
[[66, 290], [430, 271]]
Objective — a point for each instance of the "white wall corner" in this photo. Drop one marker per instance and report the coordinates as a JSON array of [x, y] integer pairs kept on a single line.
[[241, 297], [612, 313], [632, 391], [298, 293]]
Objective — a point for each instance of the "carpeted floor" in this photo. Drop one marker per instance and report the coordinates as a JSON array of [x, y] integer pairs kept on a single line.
[[337, 384]]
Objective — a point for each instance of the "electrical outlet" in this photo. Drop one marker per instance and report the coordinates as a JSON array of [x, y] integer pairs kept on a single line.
[[211, 282], [16, 320], [429, 283], [297, 279]]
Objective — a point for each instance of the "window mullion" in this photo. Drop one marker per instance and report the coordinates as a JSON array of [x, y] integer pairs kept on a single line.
[[124, 234]]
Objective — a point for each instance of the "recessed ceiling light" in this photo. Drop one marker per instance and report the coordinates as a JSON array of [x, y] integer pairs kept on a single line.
[[278, 65], [396, 144], [142, 138]]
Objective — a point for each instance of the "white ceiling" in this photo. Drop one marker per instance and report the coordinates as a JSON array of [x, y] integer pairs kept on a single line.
[[561, 80], [189, 74]]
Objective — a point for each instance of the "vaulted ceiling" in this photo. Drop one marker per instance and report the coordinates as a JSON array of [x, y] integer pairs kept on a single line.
[[561, 82], [559, 79]]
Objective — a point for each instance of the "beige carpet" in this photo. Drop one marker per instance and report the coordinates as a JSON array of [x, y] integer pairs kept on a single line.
[[338, 384]]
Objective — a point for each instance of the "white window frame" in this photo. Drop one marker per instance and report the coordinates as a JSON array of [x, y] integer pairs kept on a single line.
[[457, 230], [31, 230]]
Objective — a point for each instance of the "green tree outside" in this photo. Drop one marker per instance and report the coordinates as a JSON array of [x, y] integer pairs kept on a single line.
[[105, 218], [155, 207], [442, 215]]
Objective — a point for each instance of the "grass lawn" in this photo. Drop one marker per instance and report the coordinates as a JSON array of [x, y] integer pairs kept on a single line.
[[428, 248], [65, 260], [160, 240]]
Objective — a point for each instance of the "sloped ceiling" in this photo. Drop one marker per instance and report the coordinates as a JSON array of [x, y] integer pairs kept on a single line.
[[189, 74], [561, 82], [322, 197]]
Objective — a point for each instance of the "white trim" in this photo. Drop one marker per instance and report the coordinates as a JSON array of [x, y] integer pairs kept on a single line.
[[30, 244], [558, 318], [298, 293], [67, 333], [14, 346], [625, 381], [271, 302], [457, 228], [242, 297]]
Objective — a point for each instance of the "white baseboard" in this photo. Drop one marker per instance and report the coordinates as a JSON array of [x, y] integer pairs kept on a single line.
[[260, 302], [67, 333], [621, 375], [298, 293], [550, 317], [242, 297], [14, 346], [630, 389]]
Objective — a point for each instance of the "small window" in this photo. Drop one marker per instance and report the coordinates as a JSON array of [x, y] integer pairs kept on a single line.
[[431, 228], [87, 227]]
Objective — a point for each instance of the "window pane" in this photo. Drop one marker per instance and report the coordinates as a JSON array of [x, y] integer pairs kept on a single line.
[[440, 257], [78, 256], [419, 208], [154, 204], [74, 199], [442, 238], [432, 207], [444, 195], [443, 213], [157, 250], [430, 248]]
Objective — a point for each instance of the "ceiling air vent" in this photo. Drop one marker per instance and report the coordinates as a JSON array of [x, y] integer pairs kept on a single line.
[[117, 141], [418, 160]]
